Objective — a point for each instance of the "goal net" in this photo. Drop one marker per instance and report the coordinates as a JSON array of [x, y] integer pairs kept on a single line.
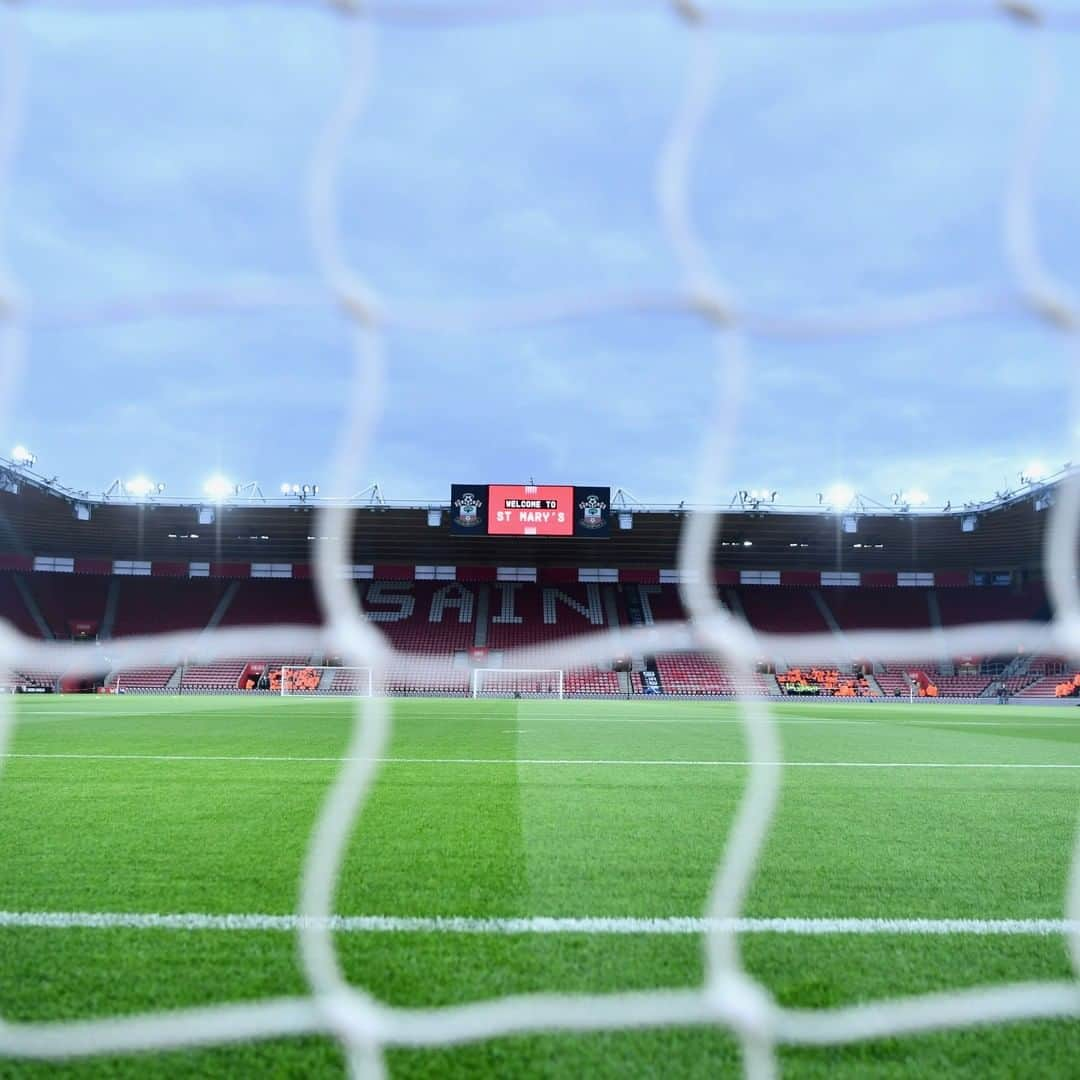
[[686, 324], [312, 681], [518, 682]]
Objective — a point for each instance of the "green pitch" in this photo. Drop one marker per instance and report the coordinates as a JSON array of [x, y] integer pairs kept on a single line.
[[205, 805]]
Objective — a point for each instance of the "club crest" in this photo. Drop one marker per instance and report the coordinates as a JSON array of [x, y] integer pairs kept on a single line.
[[592, 512], [468, 511]]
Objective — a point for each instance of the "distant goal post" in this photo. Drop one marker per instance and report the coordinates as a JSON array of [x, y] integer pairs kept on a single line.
[[310, 680], [518, 682]]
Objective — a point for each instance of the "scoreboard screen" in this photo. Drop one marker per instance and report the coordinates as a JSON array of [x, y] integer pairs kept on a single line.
[[529, 510]]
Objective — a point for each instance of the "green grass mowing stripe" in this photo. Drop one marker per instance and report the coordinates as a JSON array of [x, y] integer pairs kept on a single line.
[[657, 762], [121, 972], [512, 840]]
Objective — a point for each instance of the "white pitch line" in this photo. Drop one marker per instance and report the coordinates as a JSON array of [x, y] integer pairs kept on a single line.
[[395, 924], [876, 723], [583, 762]]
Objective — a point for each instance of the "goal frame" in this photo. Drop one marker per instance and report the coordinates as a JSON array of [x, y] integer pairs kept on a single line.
[[285, 692], [560, 672]]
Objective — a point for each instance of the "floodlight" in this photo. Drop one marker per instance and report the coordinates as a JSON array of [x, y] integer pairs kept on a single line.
[[314, 489], [285, 489], [217, 487], [839, 496], [1035, 473], [21, 456], [140, 486], [916, 497]]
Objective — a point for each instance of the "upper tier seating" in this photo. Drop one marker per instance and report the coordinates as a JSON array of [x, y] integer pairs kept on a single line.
[[157, 605], [433, 617], [13, 608], [879, 609], [543, 613], [64, 599], [660, 603], [780, 609], [264, 601], [975, 605]]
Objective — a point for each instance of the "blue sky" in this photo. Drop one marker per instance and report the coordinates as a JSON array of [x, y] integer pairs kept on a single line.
[[166, 151]]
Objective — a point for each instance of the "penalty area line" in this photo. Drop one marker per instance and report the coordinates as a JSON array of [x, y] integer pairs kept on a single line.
[[539, 925]]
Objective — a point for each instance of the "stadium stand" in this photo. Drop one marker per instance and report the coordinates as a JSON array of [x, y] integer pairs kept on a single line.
[[259, 602], [444, 621], [695, 675], [659, 603], [147, 605], [422, 616], [829, 682], [783, 610], [463, 604], [879, 609], [214, 677], [591, 682], [961, 685], [14, 609], [524, 614], [70, 601], [34, 679], [893, 680], [436, 676], [140, 679], [970, 605], [1045, 687]]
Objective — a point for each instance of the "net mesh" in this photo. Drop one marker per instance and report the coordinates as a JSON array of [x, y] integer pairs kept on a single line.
[[728, 996]]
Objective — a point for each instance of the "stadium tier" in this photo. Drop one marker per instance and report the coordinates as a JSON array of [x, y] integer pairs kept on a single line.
[[457, 626], [146, 605], [457, 605]]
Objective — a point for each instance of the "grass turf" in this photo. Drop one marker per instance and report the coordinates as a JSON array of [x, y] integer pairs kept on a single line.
[[515, 838]]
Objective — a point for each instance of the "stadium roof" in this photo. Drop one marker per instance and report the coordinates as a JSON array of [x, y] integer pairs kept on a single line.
[[38, 516]]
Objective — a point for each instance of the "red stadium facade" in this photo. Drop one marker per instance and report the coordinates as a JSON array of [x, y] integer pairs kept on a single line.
[[72, 567]]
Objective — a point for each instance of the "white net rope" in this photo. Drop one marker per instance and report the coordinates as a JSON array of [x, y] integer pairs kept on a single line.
[[728, 997]]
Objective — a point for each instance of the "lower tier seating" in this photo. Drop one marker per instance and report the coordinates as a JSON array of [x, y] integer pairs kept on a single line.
[[140, 678], [698, 675]]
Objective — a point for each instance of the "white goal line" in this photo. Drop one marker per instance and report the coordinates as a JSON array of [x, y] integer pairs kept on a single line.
[[677, 925]]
